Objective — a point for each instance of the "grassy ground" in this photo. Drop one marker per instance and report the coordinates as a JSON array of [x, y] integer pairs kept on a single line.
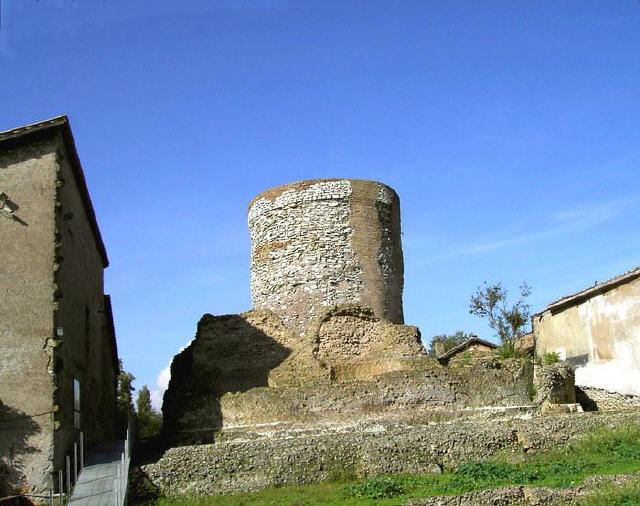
[[606, 452], [613, 495]]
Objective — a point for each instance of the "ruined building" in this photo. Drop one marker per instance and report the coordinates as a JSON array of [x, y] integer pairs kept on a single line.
[[58, 357], [325, 341], [322, 379]]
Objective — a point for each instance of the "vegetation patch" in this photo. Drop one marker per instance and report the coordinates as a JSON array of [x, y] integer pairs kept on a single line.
[[379, 487], [614, 495], [551, 357]]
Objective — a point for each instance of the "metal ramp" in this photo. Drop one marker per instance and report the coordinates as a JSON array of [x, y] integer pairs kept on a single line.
[[103, 480]]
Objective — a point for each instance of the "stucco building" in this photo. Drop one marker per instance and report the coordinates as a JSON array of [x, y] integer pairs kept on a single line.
[[58, 356], [597, 330]]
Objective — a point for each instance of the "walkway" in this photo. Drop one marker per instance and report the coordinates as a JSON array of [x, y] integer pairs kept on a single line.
[[95, 483]]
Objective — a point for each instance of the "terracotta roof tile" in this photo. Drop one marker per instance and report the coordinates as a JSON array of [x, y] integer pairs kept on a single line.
[[597, 289]]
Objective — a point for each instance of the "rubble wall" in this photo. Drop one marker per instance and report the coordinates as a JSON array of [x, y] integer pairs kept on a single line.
[[250, 369], [321, 243], [244, 462]]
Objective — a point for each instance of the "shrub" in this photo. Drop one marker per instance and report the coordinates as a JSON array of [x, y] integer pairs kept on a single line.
[[509, 322], [551, 357], [505, 352], [380, 487]]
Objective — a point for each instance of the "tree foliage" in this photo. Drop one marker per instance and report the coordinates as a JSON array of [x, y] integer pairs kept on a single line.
[[149, 420], [509, 322], [124, 399], [448, 341]]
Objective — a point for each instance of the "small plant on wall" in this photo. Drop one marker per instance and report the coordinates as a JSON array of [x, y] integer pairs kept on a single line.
[[551, 357]]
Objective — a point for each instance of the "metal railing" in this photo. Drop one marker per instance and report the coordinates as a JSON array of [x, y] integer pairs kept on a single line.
[[121, 482], [70, 477]]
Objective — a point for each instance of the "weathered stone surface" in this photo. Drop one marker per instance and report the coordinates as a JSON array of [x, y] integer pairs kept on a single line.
[[555, 384], [250, 460], [424, 391], [595, 399], [356, 344], [250, 369], [506, 496], [231, 353], [321, 243], [526, 496]]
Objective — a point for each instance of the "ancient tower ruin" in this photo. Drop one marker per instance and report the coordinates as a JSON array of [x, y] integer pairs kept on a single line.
[[320, 243], [325, 342]]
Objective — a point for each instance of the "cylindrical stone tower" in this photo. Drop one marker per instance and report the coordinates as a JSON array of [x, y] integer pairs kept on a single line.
[[325, 242]]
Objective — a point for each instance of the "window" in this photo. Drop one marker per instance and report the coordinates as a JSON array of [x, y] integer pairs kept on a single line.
[[76, 403]]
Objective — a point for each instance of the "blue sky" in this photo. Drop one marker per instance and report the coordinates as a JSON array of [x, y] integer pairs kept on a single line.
[[510, 129]]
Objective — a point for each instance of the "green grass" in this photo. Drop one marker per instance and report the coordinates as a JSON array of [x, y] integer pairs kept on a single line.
[[604, 452], [613, 495]]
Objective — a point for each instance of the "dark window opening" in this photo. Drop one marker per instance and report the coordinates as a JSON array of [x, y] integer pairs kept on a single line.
[[76, 403]]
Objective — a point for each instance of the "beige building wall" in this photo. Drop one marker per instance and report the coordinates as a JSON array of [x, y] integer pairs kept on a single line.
[[86, 353], [600, 336], [54, 326], [27, 176]]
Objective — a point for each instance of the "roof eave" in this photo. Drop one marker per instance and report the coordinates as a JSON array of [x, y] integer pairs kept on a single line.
[[583, 295], [42, 129]]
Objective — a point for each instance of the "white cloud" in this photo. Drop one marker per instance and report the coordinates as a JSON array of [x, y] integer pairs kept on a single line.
[[595, 214], [162, 382]]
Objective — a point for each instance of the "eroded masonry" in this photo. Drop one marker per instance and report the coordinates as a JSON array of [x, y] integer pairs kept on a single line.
[[318, 244], [323, 379], [325, 340], [324, 354]]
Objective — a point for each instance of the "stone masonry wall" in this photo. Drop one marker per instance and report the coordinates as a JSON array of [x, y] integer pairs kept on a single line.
[[350, 332], [250, 369], [555, 384], [243, 462], [323, 243]]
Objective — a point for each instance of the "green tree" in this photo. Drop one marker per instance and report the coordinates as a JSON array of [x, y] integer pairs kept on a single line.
[[509, 322], [124, 399], [149, 420], [448, 342]]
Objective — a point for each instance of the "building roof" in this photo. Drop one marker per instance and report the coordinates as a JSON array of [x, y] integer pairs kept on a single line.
[[465, 345], [46, 129], [587, 293]]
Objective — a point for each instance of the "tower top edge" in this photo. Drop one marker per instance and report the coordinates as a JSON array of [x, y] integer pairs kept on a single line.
[[276, 191]]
